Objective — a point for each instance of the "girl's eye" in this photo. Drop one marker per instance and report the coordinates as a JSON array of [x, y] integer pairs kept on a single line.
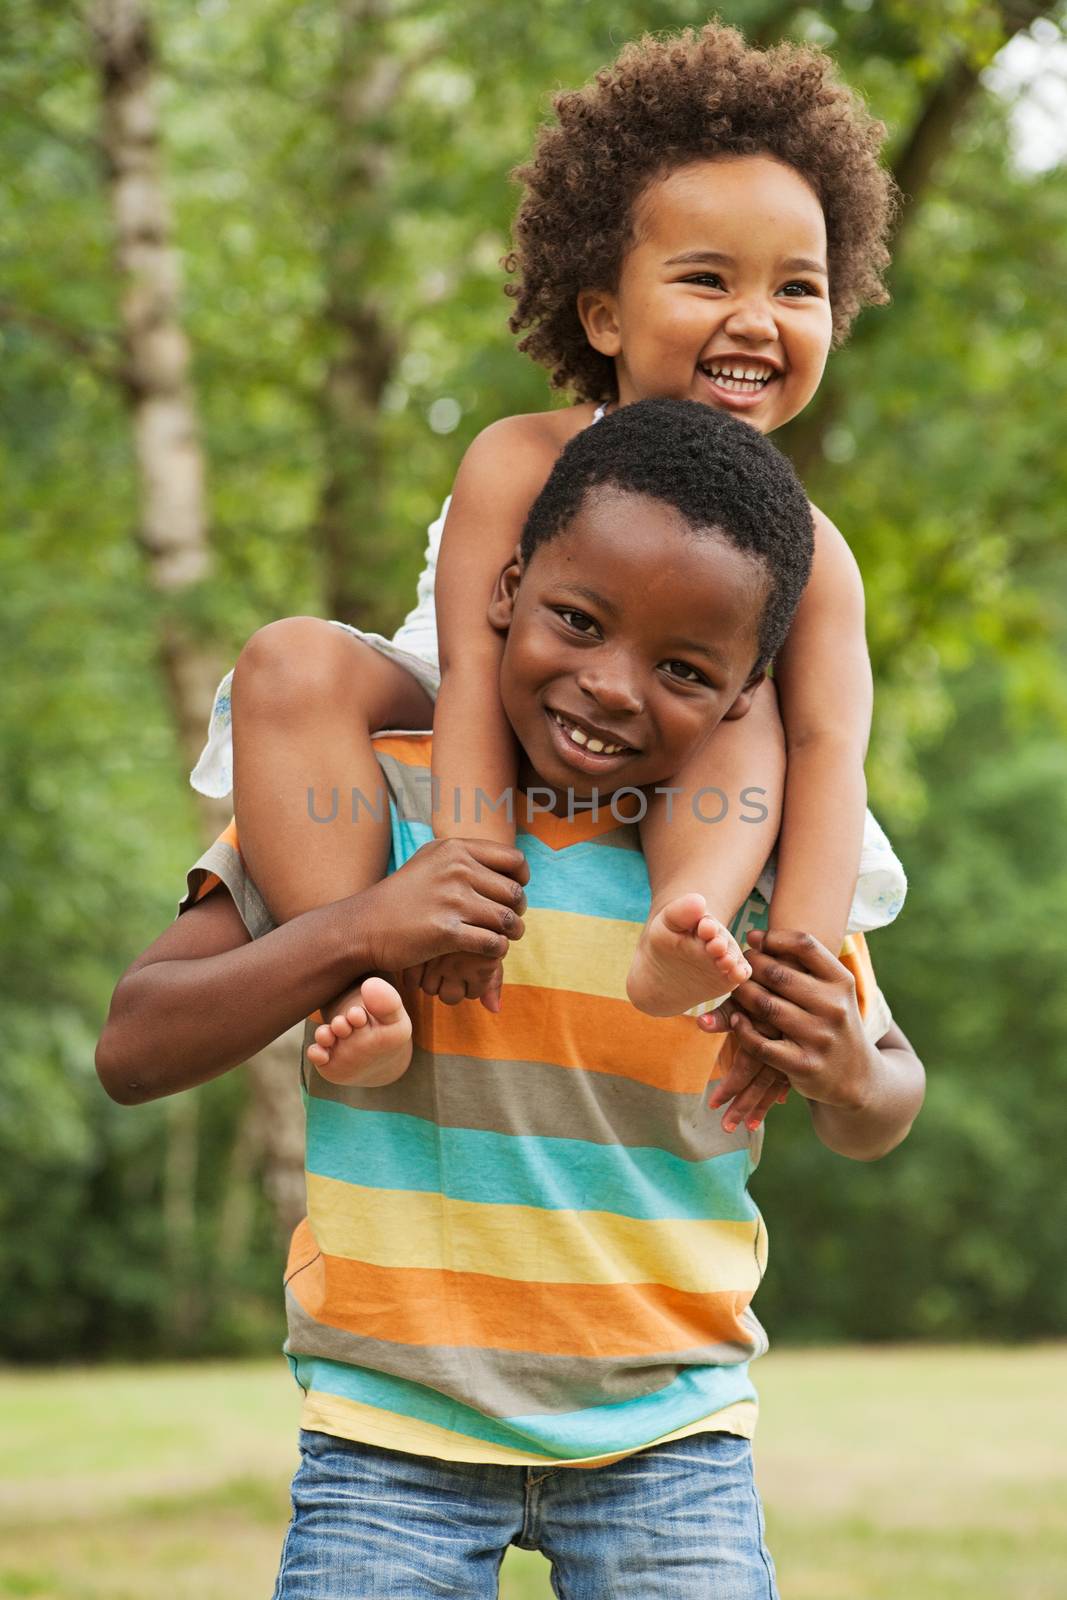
[[578, 620], [712, 279], [684, 672], [805, 289]]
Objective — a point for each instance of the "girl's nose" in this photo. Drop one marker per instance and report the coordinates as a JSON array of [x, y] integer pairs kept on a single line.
[[752, 318]]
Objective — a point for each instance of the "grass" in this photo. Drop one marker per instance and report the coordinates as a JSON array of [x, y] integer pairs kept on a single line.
[[896, 1474]]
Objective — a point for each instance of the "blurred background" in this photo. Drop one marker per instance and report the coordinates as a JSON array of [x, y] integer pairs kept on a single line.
[[251, 314]]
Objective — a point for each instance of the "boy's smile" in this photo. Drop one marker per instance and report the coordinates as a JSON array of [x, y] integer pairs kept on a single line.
[[723, 296], [630, 637]]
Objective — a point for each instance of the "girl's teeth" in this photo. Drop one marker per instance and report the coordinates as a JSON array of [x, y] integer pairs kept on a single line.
[[742, 380], [577, 735]]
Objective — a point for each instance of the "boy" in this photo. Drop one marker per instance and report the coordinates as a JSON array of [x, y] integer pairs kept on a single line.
[[519, 1307]]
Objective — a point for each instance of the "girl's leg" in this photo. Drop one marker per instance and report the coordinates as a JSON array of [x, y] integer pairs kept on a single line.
[[706, 844], [307, 698]]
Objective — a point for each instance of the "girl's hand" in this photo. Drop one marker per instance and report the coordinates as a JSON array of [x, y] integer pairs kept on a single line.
[[752, 1087], [453, 978]]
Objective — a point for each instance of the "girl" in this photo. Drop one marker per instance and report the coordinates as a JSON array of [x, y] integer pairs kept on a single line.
[[703, 221]]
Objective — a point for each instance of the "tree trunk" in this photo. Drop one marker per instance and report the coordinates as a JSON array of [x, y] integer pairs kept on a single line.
[[357, 550], [172, 530]]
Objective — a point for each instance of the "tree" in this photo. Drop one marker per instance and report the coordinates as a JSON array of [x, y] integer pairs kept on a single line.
[[172, 532], [337, 176]]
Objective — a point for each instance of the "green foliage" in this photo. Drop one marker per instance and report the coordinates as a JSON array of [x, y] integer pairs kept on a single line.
[[940, 458], [959, 1232]]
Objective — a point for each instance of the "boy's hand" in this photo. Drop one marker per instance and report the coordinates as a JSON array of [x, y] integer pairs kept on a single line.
[[453, 895], [808, 997]]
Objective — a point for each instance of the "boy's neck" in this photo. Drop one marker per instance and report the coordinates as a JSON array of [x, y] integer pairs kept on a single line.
[[548, 799]]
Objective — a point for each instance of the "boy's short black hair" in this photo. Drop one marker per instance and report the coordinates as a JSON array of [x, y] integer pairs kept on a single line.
[[719, 474], [664, 102]]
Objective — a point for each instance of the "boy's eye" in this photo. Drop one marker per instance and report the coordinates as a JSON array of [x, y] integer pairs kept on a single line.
[[684, 672], [578, 620]]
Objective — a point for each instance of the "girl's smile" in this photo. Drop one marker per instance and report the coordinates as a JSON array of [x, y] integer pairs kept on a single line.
[[724, 295]]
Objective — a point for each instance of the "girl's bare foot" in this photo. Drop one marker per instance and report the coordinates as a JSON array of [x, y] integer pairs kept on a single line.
[[368, 1041], [684, 957]]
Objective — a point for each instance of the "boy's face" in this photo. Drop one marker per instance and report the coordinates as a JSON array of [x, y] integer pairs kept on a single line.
[[627, 630], [727, 276]]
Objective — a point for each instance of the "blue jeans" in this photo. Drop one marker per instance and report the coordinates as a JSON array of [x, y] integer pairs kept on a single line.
[[681, 1521]]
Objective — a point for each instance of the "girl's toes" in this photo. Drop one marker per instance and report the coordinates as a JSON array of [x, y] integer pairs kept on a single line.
[[318, 1055], [737, 969], [341, 1026], [325, 1037], [381, 1001], [741, 962], [356, 1016]]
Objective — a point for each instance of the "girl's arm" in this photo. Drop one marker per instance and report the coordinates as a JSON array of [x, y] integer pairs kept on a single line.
[[823, 674], [475, 760]]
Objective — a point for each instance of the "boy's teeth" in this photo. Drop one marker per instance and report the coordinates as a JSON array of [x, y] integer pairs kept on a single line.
[[597, 746]]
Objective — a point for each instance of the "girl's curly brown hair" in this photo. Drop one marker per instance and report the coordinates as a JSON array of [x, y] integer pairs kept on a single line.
[[662, 104]]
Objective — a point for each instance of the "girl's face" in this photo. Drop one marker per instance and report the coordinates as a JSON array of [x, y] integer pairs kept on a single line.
[[723, 297]]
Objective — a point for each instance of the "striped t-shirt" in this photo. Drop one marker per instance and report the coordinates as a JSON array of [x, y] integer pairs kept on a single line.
[[538, 1245]]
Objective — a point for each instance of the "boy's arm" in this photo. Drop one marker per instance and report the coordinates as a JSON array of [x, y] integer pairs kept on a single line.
[[474, 748], [895, 1094], [205, 996], [864, 1094], [823, 677]]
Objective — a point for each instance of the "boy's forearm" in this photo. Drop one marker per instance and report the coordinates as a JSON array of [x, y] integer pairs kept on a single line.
[[884, 1117], [474, 756], [177, 1023], [821, 839]]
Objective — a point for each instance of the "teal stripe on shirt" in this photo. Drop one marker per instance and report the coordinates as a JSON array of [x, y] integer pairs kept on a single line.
[[388, 1150], [580, 879], [598, 1430]]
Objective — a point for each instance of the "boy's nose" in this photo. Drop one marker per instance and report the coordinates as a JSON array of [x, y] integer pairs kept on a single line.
[[617, 691]]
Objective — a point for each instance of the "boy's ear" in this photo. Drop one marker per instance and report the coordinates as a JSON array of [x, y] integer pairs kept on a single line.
[[743, 704], [600, 319], [506, 587]]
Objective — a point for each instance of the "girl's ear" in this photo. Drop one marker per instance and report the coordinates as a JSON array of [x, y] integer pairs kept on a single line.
[[743, 703], [599, 316], [506, 587]]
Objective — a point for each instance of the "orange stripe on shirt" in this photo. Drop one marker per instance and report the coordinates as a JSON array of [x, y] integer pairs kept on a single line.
[[575, 1030], [424, 1306]]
